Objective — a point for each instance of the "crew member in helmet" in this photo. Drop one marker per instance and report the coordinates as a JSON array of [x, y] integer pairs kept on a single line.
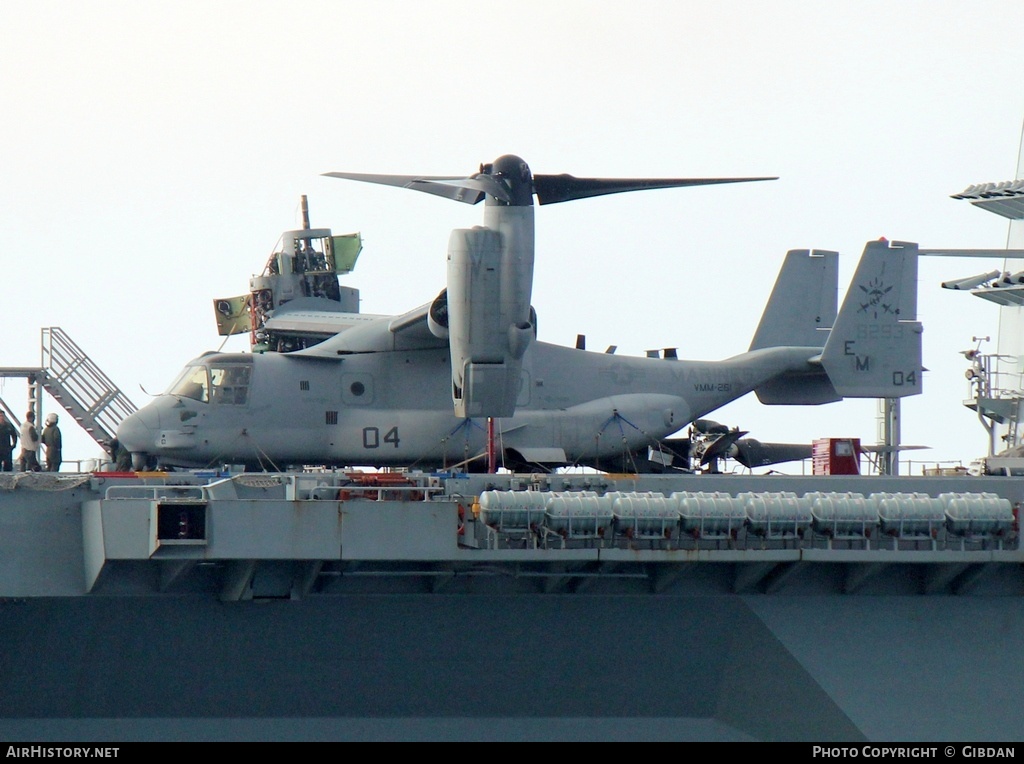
[[51, 439]]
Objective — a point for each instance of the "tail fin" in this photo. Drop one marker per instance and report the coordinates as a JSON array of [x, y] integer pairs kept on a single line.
[[802, 305], [874, 349], [800, 311]]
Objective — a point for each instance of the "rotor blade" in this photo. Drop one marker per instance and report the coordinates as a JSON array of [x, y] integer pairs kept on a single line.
[[890, 449], [551, 189], [753, 453], [455, 187], [486, 184]]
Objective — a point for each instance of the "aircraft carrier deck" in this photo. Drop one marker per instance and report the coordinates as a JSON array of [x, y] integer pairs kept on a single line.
[[351, 606]]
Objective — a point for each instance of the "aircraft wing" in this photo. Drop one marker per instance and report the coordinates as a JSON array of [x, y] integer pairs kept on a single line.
[[408, 331], [317, 323], [412, 324]]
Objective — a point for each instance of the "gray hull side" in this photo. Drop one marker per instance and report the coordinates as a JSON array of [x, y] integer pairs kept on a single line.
[[665, 667], [846, 649]]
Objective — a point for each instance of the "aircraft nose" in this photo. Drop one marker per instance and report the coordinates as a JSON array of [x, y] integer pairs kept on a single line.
[[138, 432]]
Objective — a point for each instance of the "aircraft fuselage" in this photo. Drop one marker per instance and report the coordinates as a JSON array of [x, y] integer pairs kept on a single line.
[[395, 408]]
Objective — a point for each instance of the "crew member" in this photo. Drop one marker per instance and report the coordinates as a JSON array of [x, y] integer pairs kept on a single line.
[[8, 439], [51, 439], [119, 455], [28, 461]]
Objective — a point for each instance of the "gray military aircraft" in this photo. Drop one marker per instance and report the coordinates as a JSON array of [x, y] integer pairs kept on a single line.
[[438, 386]]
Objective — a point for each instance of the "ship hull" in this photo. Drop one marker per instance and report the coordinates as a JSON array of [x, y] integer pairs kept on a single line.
[[409, 624], [667, 667]]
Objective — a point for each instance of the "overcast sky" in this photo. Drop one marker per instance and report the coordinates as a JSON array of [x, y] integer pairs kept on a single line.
[[152, 153]]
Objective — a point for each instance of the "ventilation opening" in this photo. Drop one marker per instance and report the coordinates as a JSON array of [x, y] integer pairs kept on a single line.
[[181, 523]]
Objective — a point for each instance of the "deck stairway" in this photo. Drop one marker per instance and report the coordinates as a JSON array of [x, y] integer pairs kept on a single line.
[[78, 384]]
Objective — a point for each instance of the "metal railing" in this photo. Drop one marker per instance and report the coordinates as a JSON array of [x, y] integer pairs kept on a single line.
[[78, 384]]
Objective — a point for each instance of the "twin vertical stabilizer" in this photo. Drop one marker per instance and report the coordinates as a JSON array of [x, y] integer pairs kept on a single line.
[[874, 349], [870, 349], [802, 306]]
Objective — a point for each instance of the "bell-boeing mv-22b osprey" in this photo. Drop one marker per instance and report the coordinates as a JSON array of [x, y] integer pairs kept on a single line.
[[439, 386]]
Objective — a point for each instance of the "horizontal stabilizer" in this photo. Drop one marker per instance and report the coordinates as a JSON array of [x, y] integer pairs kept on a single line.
[[798, 388]]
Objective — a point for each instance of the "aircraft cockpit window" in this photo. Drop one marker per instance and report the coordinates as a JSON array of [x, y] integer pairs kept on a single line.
[[193, 383], [230, 384]]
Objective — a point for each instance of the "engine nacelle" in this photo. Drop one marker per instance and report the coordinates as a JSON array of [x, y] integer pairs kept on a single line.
[[489, 329], [437, 316]]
